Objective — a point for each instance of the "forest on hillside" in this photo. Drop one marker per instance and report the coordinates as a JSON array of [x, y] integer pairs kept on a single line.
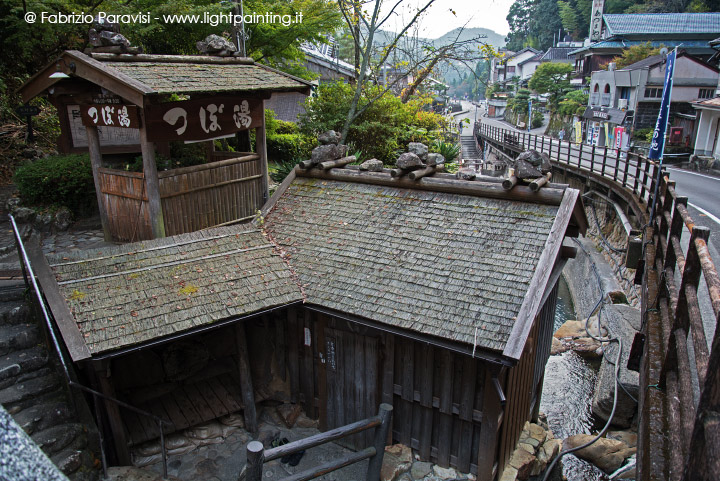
[[535, 23]]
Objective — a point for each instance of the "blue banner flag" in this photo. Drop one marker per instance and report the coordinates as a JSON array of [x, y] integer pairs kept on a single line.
[[657, 146]]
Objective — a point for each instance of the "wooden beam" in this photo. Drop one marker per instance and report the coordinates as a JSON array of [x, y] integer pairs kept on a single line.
[[261, 148], [152, 184], [64, 319], [96, 163], [532, 302], [493, 190], [489, 428], [246, 385], [144, 57], [117, 426]]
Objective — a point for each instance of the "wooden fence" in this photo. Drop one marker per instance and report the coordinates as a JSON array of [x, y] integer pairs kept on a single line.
[[193, 198], [679, 434], [257, 455]]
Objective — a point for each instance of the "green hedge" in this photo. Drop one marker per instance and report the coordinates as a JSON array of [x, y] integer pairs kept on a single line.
[[61, 180], [286, 147]]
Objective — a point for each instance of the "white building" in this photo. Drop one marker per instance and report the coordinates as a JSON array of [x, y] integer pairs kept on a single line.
[[708, 128]]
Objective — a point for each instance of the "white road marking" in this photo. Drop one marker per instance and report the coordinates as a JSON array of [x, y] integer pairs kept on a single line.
[[694, 173], [703, 211]]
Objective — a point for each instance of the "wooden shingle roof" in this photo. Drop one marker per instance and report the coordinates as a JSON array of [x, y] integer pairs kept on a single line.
[[134, 293], [164, 78], [441, 264]]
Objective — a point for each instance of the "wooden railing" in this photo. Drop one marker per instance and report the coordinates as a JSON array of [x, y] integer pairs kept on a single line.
[[257, 455], [678, 435]]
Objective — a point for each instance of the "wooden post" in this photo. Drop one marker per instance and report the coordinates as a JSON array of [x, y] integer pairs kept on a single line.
[[113, 412], [96, 163], [255, 454], [261, 148], [152, 184], [381, 434], [489, 428], [246, 386]]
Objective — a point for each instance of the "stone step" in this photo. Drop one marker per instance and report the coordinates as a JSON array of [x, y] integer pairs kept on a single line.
[[78, 465], [43, 416], [15, 337], [22, 394], [18, 363], [69, 436], [14, 312]]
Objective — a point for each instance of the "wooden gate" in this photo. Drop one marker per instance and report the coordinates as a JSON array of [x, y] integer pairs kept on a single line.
[[351, 367]]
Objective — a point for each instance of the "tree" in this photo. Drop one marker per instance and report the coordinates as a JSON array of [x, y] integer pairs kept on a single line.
[[365, 29], [551, 78], [635, 54]]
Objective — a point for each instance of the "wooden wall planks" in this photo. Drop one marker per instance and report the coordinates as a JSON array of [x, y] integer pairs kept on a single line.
[[192, 198]]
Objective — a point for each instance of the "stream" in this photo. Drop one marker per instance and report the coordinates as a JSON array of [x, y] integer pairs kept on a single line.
[[567, 394]]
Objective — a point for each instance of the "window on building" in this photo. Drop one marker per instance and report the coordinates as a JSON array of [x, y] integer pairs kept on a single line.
[[597, 88], [653, 92], [625, 93], [511, 69], [706, 93], [607, 88]]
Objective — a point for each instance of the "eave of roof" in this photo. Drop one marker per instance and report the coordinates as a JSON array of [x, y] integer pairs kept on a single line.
[[143, 75]]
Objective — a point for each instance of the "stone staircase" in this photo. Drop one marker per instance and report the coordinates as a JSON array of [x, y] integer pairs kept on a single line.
[[469, 150], [32, 390]]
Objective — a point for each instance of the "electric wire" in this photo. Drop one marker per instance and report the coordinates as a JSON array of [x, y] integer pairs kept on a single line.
[[598, 306]]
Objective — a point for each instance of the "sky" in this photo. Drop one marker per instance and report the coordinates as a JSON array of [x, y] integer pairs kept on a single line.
[[440, 20]]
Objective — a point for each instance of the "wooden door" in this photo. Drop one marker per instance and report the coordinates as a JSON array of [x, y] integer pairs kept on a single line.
[[351, 367]]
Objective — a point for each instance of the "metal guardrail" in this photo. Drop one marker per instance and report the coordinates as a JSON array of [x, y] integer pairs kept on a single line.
[[257, 455], [31, 282], [678, 436]]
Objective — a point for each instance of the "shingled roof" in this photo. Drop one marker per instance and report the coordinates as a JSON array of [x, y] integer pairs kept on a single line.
[[453, 260], [136, 77], [129, 294], [448, 265], [663, 23], [163, 77]]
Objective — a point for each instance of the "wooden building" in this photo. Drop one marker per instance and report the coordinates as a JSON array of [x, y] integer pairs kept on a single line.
[[436, 295], [113, 104]]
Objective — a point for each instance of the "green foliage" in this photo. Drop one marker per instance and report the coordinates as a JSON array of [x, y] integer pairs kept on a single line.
[[449, 150], [537, 119], [635, 54], [573, 103], [274, 125], [64, 180], [282, 169], [382, 129], [551, 78], [643, 135], [181, 155], [286, 147], [519, 103]]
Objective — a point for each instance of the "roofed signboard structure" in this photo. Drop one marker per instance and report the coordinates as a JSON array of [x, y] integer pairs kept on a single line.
[[123, 103]]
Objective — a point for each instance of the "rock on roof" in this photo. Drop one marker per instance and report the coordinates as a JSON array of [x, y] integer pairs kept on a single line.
[[164, 77], [663, 23], [130, 294], [436, 263]]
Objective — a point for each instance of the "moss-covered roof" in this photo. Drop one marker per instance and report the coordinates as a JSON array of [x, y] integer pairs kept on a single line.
[[130, 294], [435, 263]]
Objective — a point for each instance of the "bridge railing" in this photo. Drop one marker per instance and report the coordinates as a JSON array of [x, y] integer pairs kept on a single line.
[[632, 171], [679, 432]]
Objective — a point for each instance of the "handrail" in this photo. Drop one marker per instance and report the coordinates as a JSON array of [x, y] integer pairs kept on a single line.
[[257, 455], [29, 274], [671, 423]]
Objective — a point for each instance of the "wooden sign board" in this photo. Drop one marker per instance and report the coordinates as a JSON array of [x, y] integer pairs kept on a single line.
[[104, 115], [202, 119], [109, 136]]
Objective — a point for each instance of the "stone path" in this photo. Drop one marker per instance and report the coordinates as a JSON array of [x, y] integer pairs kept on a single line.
[[33, 392]]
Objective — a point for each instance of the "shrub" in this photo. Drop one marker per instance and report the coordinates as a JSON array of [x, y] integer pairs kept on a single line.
[[285, 147], [537, 119], [273, 125], [449, 150], [63, 180], [282, 169], [573, 103], [384, 128]]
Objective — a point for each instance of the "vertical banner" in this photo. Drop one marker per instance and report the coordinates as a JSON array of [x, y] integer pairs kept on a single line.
[[578, 132], [529, 114], [657, 146], [596, 21], [619, 133], [608, 136]]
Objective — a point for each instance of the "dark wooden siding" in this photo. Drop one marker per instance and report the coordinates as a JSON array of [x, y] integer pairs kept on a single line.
[[438, 401], [192, 198], [523, 383]]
